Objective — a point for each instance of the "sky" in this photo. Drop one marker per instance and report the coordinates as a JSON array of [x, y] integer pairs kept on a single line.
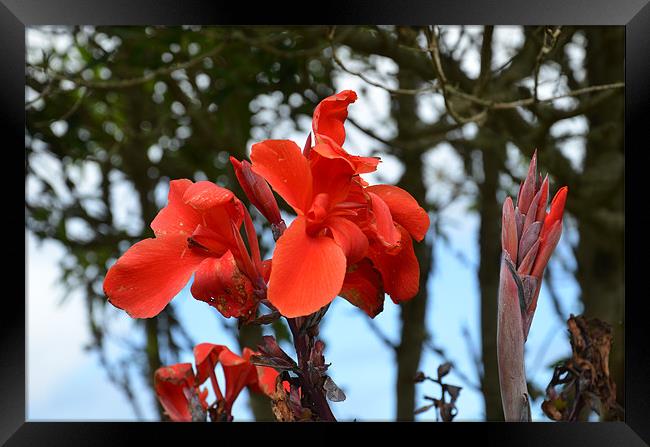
[[65, 382]]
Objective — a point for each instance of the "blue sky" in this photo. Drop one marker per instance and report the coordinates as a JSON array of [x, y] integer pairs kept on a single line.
[[67, 383]]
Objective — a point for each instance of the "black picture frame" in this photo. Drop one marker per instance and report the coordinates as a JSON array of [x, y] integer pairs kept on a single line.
[[15, 15]]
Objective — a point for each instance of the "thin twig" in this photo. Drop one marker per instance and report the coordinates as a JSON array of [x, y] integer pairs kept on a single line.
[[380, 334], [434, 52], [393, 91], [131, 82], [578, 92], [45, 93], [550, 39], [370, 133], [463, 377]]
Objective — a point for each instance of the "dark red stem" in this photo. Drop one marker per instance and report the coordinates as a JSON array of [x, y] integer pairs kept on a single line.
[[313, 393]]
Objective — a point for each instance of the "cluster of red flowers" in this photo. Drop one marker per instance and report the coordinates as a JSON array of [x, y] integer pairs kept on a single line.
[[177, 386], [348, 239]]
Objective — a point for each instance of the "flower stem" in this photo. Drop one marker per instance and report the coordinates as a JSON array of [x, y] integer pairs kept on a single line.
[[313, 393]]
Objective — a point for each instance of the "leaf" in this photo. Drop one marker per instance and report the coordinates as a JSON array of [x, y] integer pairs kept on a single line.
[[453, 391], [278, 364], [419, 377], [332, 391], [424, 408], [443, 370], [269, 318], [272, 355]]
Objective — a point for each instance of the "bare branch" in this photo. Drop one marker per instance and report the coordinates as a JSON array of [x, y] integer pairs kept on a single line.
[[380, 334], [392, 91], [131, 82]]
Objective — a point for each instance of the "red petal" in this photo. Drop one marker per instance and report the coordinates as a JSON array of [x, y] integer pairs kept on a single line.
[[547, 245], [176, 217], [282, 164], [404, 208], [203, 398], [328, 148], [382, 222], [266, 376], [204, 238], [146, 278], [206, 357], [178, 374], [223, 286], [204, 195], [349, 237], [307, 147], [238, 373], [331, 177], [400, 272], [509, 241], [307, 271], [221, 220], [266, 269], [363, 288], [169, 384], [218, 207], [557, 211], [266, 379], [331, 113]]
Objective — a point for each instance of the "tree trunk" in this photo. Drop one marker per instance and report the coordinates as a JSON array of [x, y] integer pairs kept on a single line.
[[600, 250], [413, 312], [153, 356], [488, 276]]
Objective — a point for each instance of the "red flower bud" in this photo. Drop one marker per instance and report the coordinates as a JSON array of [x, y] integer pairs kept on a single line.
[[259, 193]]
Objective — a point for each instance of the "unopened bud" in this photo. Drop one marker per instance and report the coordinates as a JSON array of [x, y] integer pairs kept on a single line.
[[259, 193]]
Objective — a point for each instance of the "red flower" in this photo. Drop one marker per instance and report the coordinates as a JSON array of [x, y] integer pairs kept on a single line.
[[237, 371], [177, 386], [340, 222], [310, 258], [178, 393], [198, 231]]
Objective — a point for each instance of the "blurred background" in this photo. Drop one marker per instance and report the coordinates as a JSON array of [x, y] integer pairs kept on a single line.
[[114, 113]]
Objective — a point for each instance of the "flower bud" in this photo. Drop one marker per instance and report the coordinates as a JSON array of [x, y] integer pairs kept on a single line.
[[259, 193]]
